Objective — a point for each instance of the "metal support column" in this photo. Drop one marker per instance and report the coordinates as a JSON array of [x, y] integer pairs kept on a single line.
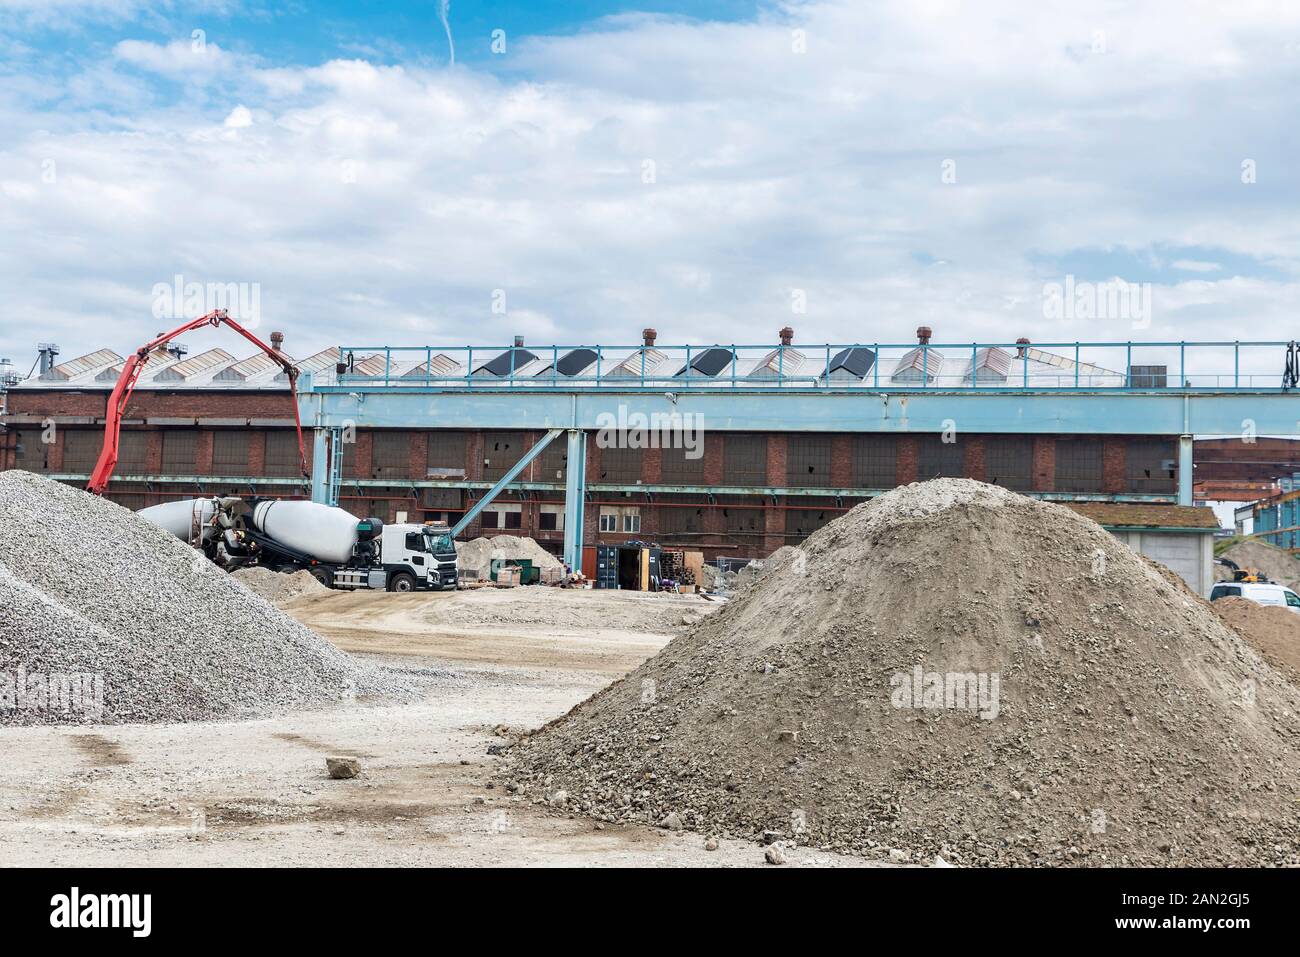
[[319, 467], [1184, 470], [575, 494]]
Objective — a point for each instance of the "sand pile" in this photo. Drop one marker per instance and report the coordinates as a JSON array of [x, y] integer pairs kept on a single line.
[[1277, 564], [474, 558], [91, 589], [277, 587], [1088, 711], [1273, 631]]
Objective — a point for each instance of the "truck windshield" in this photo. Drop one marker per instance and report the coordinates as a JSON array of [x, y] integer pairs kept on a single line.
[[437, 544]]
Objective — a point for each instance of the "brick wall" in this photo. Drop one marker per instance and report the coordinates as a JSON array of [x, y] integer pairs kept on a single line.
[[1044, 463], [842, 461], [908, 459], [1114, 463]]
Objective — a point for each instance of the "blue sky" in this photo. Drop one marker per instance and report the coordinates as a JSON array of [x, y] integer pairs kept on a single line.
[[716, 170]]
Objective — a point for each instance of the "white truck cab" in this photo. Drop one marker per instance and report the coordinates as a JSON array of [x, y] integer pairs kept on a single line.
[[1263, 593]]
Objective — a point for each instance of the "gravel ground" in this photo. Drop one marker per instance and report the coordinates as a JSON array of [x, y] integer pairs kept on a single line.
[[1130, 727], [96, 590]]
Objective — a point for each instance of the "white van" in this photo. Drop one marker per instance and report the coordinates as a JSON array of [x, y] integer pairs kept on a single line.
[[1261, 593]]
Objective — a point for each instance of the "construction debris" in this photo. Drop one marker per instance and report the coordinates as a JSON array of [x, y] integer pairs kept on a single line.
[[474, 558], [951, 670], [95, 594]]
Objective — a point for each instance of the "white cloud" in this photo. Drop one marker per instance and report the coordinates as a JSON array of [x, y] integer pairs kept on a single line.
[[389, 202], [1195, 265]]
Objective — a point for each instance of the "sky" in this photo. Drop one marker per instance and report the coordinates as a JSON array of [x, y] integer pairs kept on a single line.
[[579, 171]]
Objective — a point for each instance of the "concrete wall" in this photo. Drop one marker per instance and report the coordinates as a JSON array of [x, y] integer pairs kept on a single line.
[[1190, 554]]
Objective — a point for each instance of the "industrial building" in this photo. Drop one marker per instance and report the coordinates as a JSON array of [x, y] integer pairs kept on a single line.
[[214, 423]]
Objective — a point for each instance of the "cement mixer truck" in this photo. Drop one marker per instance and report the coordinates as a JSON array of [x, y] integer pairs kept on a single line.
[[340, 550]]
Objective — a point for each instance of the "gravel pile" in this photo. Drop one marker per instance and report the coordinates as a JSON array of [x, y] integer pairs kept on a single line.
[[90, 588], [474, 558], [277, 587], [1127, 724]]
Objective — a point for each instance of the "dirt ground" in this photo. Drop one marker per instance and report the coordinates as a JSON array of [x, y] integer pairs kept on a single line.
[[256, 794]]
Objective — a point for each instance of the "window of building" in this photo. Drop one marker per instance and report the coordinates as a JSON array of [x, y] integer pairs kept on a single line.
[[875, 461], [282, 453], [180, 449], [550, 518], [679, 514], [620, 466], [805, 517], [132, 451], [390, 455], [1151, 465], [445, 458], [1009, 462], [808, 461], [939, 459], [32, 452], [501, 450], [1078, 465], [81, 449], [742, 516], [624, 518], [230, 452], [555, 460], [744, 459], [677, 467]]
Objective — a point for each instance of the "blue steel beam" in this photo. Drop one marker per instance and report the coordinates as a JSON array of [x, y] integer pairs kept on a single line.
[[1111, 412], [505, 480], [575, 494]]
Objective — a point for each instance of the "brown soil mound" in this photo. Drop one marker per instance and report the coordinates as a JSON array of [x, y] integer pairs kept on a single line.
[[1273, 631], [1278, 565], [1129, 726]]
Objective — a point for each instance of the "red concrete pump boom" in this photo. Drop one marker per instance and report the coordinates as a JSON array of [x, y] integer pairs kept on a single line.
[[131, 373]]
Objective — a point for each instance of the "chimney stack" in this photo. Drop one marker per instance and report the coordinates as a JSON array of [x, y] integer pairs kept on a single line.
[[48, 351], [923, 334], [277, 341], [1020, 347], [648, 336], [787, 335], [519, 342]]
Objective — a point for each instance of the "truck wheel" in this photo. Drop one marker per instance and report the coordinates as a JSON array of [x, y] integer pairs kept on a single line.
[[402, 582], [324, 576]]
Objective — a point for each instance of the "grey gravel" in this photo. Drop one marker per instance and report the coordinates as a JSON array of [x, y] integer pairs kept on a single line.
[[88, 587]]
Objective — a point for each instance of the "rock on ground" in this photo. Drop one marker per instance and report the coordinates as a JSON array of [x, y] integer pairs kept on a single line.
[[1130, 725]]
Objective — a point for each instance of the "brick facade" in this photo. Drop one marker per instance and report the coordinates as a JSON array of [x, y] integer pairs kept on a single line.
[[258, 411]]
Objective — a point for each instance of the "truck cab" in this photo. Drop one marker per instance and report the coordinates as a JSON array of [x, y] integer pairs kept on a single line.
[[418, 556]]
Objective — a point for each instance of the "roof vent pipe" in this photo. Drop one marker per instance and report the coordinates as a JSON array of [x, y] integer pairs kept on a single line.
[[277, 341], [787, 335], [923, 334], [648, 336], [1020, 347], [519, 342]]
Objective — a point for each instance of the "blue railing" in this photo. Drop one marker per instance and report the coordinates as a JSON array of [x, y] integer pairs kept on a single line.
[[892, 367]]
